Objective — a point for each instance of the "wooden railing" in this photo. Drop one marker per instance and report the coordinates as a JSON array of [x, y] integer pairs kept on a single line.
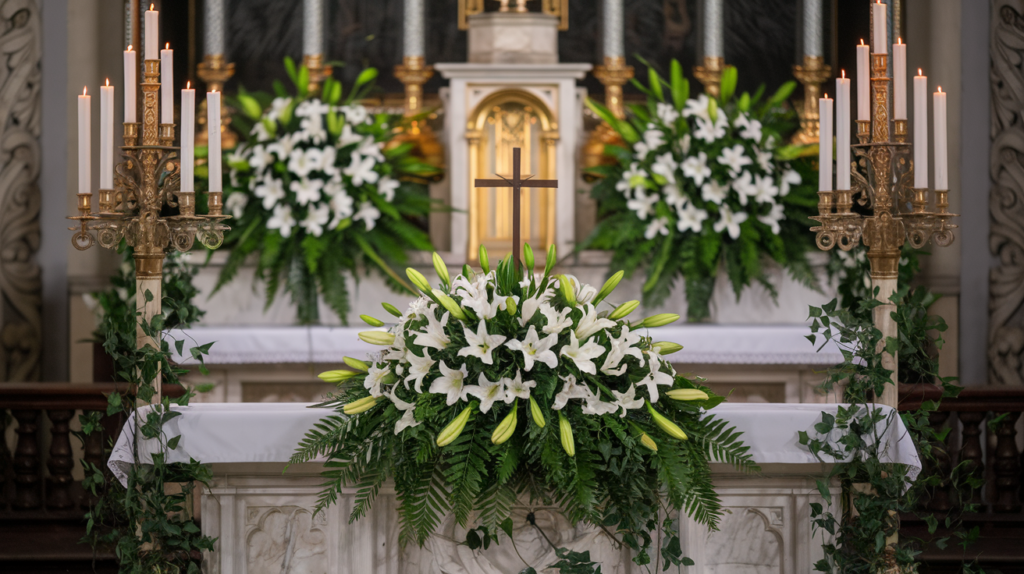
[[982, 426]]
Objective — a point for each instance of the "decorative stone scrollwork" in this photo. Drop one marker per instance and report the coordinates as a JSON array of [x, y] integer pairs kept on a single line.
[[1006, 202], [20, 106]]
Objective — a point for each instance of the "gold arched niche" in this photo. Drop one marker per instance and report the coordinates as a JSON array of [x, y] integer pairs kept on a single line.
[[500, 122]]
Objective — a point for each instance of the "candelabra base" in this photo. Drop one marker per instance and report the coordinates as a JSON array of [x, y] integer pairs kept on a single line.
[[318, 71], [710, 75]]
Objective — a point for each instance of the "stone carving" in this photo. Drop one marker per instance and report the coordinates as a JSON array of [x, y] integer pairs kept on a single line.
[[760, 529], [1006, 202], [285, 539], [20, 107]]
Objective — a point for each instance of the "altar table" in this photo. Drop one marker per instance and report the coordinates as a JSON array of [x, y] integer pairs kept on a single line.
[[261, 512]]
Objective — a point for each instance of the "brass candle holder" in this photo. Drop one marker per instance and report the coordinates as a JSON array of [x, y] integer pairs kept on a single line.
[[215, 71], [710, 74], [812, 74], [891, 210], [613, 74], [145, 181], [318, 71], [413, 72]]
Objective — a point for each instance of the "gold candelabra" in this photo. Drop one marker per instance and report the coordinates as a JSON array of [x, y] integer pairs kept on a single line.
[[413, 72], [146, 180], [812, 73], [215, 71], [613, 74], [710, 74], [892, 210]]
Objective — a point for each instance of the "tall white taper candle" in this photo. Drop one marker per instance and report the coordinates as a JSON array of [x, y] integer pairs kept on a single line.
[[152, 34], [167, 85], [214, 27], [920, 130], [713, 43], [939, 119], [813, 28], [863, 83], [825, 144], [880, 43], [414, 43], [899, 80], [188, 138], [130, 67], [84, 143], [213, 136], [843, 132], [613, 46], [312, 27], [107, 136]]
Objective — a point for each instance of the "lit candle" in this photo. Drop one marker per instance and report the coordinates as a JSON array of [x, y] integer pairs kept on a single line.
[[881, 35], [843, 132], [214, 27], [107, 136], [213, 136], [188, 138], [312, 27], [152, 33], [167, 85], [939, 119], [863, 83], [84, 143], [130, 66], [825, 144], [413, 42], [612, 27], [920, 130], [899, 80], [713, 45], [813, 28]]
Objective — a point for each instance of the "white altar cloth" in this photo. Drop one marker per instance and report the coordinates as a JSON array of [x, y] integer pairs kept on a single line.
[[702, 344], [269, 432]]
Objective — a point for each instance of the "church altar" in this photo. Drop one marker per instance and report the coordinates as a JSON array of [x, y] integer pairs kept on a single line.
[[260, 509]]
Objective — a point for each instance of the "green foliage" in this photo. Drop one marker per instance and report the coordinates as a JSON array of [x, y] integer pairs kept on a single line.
[[148, 526]]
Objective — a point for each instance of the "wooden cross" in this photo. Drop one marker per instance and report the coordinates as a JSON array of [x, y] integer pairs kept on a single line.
[[516, 183]]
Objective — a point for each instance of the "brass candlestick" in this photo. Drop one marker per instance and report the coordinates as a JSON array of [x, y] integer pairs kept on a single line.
[[882, 174], [215, 71], [613, 74], [812, 73], [413, 72], [146, 180], [710, 74], [318, 71]]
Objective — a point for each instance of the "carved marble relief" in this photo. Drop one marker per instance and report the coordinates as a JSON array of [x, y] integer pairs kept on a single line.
[[1006, 201], [20, 108], [750, 541], [285, 539]]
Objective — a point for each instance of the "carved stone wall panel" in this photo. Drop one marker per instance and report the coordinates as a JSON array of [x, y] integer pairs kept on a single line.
[[1006, 202], [20, 127]]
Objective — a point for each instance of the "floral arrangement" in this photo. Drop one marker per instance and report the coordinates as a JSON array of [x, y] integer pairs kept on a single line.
[[316, 191], [501, 386], [704, 183]]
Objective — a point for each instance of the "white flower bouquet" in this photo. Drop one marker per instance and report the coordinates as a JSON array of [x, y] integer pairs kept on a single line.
[[317, 191], [704, 182], [502, 386]]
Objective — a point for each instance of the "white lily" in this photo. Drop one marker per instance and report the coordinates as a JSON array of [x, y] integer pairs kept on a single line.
[[730, 221], [627, 400], [789, 177], [751, 128], [328, 159], [306, 190], [435, 337], [408, 409], [653, 380], [773, 217], [368, 214], [348, 137], [557, 321], [489, 392], [764, 159], [621, 346], [696, 168], [691, 218], [667, 113], [452, 382], [517, 388], [356, 114], [765, 189], [270, 191], [374, 379], [674, 196], [481, 343], [711, 131], [734, 158], [631, 178], [642, 204], [235, 204], [316, 219], [341, 205], [282, 220], [590, 323], [594, 406], [419, 367], [369, 147], [260, 158], [386, 187], [534, 348], [744, 186], [698, 107], [714, 192], [570, 390], [302, 162], [657, 226], [361, 170], [582, 355], [665, 165]]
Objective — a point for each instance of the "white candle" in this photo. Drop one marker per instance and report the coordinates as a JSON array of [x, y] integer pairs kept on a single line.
[[713, 45], [152, 33], [130, 66], [881, 35], [813, 28], [899, 80], [863, 83], [413, 41], [214, 27], [188, 138], [167, 85], [84, 143], [939, 119], [612, 26], [825, 144], [107, 136], [213, 136], [920, 130], [843, 132], [312, 27]]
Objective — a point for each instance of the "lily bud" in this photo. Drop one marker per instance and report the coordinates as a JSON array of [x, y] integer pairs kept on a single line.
[[510, 306], [372, 321], [506, 427], [608, 287], [550, 263], [391, 309], [441, 268], [687, 395], [565, 434], [528, 257], [418, 279], [667, 348], [647, 441], [337, 376], [449, 304], [538, 417], [624, 310], [377, 338], [485, 263], [360, 405], [567, 291], [670, 428], [451, 432], [357, 364], [660, 320]]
